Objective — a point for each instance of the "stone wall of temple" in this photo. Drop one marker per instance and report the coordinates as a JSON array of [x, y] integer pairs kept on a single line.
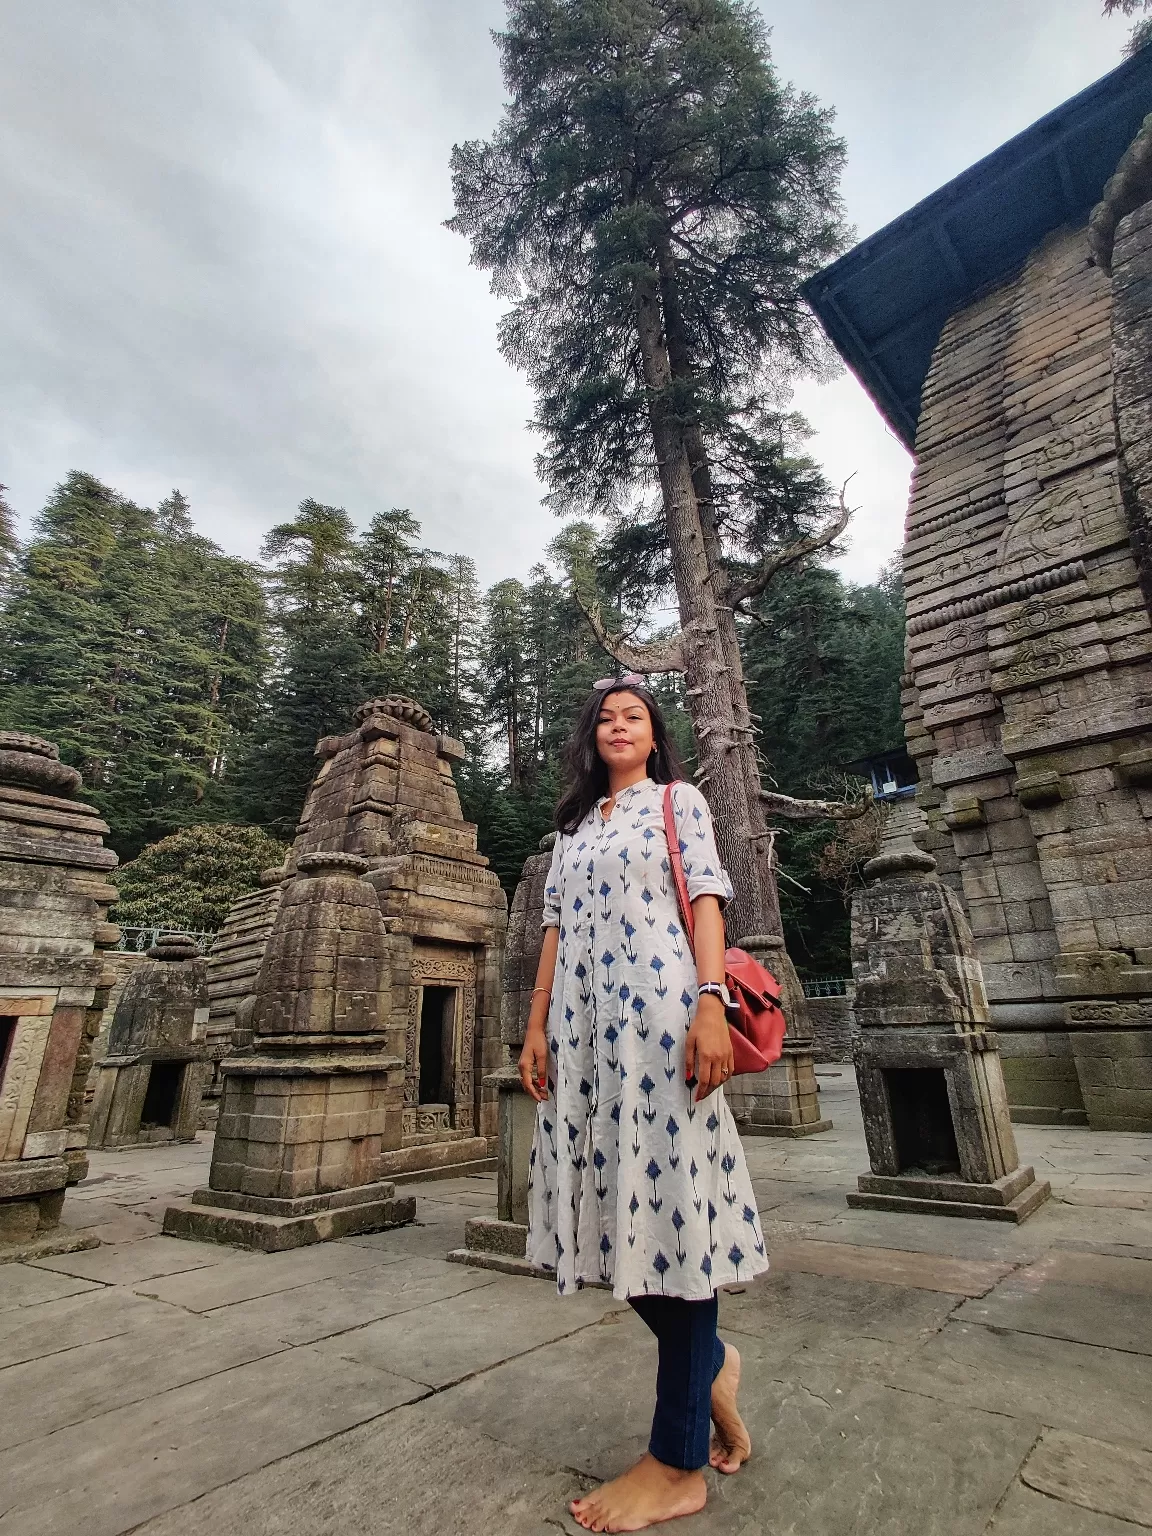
[[1028, 698], [54, 900], [832, 1029]]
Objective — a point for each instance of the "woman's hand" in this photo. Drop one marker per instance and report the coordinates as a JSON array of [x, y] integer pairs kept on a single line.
[[533, 1063], [708, 1053]]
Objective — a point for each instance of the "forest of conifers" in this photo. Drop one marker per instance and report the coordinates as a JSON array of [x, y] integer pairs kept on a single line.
[[189, 686]]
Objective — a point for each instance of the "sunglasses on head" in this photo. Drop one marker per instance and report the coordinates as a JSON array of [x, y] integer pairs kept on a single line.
[[627, 680]]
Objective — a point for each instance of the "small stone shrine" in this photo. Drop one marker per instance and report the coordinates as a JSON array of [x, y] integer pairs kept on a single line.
[[385, 793], [932, 1094], [308, 1118], [150, 1081], [785, 1099], [54, 898], [1004, 328]]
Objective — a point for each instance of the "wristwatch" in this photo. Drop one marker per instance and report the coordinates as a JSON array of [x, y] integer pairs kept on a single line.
[[716, 989]]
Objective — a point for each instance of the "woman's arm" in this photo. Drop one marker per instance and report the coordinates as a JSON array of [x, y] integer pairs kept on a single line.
[[533, 1061], [708, 1052]]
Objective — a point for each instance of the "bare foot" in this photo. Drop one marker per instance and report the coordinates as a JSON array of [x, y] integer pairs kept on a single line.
[[648, 1494], [731, 1444]]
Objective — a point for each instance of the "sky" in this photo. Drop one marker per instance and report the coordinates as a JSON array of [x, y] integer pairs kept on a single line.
[[223, 265]]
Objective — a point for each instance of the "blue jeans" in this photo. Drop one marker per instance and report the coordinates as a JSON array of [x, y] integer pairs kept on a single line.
[[691, 1356]]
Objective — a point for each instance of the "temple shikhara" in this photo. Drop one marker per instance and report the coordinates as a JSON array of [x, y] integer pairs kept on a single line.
[[1004, 328]]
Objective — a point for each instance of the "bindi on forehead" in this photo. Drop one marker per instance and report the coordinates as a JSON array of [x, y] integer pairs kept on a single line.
[[623, 704]]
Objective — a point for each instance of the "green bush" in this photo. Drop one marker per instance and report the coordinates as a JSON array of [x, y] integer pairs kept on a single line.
[[190, 879]]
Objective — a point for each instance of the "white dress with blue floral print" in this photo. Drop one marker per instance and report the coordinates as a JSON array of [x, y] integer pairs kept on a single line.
[[633, 1183]]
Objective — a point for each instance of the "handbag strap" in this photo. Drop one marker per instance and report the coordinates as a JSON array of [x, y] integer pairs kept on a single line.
[[676, 863]]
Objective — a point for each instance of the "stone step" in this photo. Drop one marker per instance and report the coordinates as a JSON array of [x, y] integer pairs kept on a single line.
[[275, 1234]]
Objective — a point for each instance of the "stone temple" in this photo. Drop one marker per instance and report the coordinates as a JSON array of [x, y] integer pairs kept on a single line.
[[1004, 329], [54, 899], [385, 793]]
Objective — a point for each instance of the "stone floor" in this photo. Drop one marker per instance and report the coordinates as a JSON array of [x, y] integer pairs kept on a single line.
[[903, 1374]]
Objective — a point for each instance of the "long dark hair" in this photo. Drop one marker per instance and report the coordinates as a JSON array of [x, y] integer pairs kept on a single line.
[[587, 771]]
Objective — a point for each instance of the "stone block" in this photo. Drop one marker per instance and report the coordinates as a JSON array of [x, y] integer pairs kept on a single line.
[[1134, 768], [963, 812], [1039, 789]]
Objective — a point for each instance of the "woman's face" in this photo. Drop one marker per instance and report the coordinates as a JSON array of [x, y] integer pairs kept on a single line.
[[624, 733]]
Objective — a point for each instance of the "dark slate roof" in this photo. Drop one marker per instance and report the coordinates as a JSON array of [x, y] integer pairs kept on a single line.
[[885, 302]]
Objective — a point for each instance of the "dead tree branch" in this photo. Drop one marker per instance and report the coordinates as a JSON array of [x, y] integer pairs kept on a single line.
[[663, 656], [792, 553], [815, 810]]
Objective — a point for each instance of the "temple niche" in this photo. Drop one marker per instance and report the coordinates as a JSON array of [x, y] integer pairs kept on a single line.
[[152, 1076], [54, 983], [1003, 327], [385, 793]]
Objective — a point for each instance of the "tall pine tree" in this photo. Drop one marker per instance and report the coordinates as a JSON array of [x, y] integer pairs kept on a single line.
[[651, 202], [9, 544]]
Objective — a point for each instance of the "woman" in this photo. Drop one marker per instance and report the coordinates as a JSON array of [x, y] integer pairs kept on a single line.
[[637, 1175]]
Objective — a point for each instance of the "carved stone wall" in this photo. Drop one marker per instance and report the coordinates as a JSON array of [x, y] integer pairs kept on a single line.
[[54, 899], [1028, 697]]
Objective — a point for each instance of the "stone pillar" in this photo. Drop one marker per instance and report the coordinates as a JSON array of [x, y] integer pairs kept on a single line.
[[307, 1119], [151, 1079], [931, 1090], [54, 898], [784, 1100], [500, 1244]]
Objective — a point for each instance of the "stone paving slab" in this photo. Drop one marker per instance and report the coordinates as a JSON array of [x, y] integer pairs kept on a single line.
[[908, 1231], [1078, 1387], [809, 1308], [243, 1276], [148, 1259], [1076, 1267], [920, 1271], [1060, 1309], [306, 1313], [113, 1223], [1117, 1199], [47, 1394], [1107, 1479], [404, 1475], [107, 1475], [1026, 1513], [457, 1337], [22, 1285], [868, 1460], [584, 1401], [1059, 1312], [423, 1238], [97, 1313]]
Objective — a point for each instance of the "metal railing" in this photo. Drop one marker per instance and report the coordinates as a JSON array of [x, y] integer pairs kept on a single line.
[[136, 940], [826, 986]]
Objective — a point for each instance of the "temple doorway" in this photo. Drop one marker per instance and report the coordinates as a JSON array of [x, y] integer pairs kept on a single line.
[[438, 1008]]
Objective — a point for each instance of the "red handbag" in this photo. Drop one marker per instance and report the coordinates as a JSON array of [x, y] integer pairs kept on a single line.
[[755, 1017]]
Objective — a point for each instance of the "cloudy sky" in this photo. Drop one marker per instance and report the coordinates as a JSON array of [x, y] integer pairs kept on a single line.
[[223, 266]]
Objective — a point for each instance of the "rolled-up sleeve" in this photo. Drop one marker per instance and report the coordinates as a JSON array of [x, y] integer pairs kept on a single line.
[[550, 917], [703, 871]]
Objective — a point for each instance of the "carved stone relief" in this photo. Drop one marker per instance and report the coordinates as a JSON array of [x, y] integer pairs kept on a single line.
[[21, 1075]]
